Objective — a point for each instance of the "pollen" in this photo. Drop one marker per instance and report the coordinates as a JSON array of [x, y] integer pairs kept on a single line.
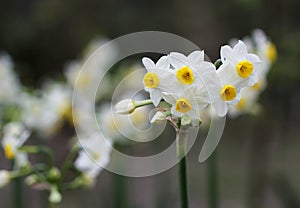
[[185, 75], [183, 105], [271, 52], [151, 80], [244, 68], [228, 92], [9, 153]]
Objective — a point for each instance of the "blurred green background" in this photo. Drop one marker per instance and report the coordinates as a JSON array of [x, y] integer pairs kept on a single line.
[[257, 166]]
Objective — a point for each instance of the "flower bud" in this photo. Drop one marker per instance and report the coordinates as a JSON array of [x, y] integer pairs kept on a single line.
[[55, 196], [53, 174], [126, 106], [4, 178], [158, 116]]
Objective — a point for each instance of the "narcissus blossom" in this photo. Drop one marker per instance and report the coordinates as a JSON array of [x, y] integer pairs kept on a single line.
[[158, 78]]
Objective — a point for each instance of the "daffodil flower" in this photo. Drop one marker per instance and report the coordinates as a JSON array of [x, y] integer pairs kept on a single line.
[[191, 69], [186, 103], [96, 154], [158, 79], [15, 135], [243, 66]]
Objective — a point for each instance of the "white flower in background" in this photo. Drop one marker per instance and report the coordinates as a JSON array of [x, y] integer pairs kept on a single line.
[[9, 83], [38, 115], [244, 66], [59, 99], [14, 136], [45, 112], [186, 103], [247, 104], [266, 50], [94, 155], [5, 177], [158, 79], [84, 75]]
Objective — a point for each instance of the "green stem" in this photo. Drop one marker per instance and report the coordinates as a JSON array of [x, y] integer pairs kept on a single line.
[[52, 205], [183, 188], [142, 103], [39, 149], [17, 190], [212, 181], [68, 163], [181, 138], [120, 186], [120, 191]]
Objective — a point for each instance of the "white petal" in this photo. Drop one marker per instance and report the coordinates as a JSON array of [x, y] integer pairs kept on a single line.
[[196, 57], [163, 62], [155, 96], [220, 108], [178, 60], [227, 54], [169, 97], [240, 48], [149, 64], [158, 116]]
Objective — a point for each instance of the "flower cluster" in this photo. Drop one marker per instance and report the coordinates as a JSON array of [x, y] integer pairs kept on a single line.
[[189, 84]]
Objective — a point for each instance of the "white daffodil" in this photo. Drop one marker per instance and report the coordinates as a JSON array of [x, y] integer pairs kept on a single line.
[[58, 96], [84, 75], [4, 178], [38, 115], [9, 83], [158, 79], [243, 66], [247, 104], [191, 70], [15, 135], [266, 50], [94, 156], [186, 103]]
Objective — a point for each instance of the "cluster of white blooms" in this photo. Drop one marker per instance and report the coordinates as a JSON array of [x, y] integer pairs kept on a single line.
[[189, 83], [181, 87]]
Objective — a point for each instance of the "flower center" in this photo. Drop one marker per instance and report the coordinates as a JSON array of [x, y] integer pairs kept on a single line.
[[244, 68], [271, 52], [228, 92], [9, 153], [183, 105], [151, 80], [185, 75]]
